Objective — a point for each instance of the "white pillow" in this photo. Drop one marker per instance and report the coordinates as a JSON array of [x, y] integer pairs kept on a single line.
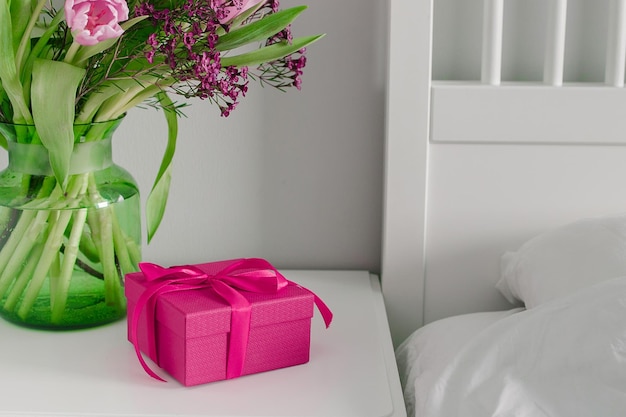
[[424, 355], [564, 260]]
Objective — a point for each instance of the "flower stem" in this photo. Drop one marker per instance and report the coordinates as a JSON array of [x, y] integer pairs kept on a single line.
[[111, 278], [17, 247], [58, 295], [24, 278], [71, 52], [52, 246], [102, 229], [119, 242], [23, 237], [134, 251]]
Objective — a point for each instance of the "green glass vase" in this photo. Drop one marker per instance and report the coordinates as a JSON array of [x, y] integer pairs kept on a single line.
[[64, 251]]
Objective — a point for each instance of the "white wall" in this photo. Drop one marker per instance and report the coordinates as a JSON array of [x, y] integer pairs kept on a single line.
[[293, 177]]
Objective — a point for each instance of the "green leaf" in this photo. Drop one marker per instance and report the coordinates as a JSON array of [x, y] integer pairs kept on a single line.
[[3, 142], [40, 49], [157, 200], [5, 105], [53, 95], [24, 14], [269, 53], [42, 44], [240, 18], [8, 68], [95, 100], [260, 30], [20, 15], [133, 98]]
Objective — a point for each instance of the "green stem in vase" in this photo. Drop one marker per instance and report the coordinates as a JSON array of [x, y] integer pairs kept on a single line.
[[87, 247], [102, 230], [17, 235], [53, 274], [119, 242], [58, 295], [24, 278], [77, 185], [19, 245], [8, 220], [134, 251], [50, 250], [111, 277]]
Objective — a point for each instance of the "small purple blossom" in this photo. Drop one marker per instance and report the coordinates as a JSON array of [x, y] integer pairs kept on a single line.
[[274, 5], [186, 44], [287, 71]]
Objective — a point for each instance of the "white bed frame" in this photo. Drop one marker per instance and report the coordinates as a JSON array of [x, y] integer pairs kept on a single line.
[[475, 168]]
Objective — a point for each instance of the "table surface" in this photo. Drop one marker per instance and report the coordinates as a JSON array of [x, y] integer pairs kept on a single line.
[[352, 371]]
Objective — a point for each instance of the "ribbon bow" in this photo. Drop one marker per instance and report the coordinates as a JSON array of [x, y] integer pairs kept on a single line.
[[252, 274]]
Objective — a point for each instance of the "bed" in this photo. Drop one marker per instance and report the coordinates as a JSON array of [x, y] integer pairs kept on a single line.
[[504, 242]]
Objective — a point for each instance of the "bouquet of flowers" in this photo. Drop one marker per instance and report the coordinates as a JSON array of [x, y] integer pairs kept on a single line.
[[69, 72]]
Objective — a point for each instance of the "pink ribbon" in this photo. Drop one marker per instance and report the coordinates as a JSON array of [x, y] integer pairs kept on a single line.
[[252, 274]]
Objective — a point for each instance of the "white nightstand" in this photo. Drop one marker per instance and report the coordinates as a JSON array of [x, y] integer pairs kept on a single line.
[[352, 371]]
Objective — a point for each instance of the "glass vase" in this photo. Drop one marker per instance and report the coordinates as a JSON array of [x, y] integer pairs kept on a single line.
[[64, 251]]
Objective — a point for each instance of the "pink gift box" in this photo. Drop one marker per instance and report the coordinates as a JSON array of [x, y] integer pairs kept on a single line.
[[188, 332]]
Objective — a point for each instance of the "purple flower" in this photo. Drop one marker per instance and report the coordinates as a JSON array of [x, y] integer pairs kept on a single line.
[[238, 7], [185, 40]]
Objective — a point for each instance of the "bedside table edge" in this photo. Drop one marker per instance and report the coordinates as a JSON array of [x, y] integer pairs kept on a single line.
[[399, 408]]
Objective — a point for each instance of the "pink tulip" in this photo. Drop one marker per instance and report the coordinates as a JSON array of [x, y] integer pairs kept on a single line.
[[93, 21], [239, 6]]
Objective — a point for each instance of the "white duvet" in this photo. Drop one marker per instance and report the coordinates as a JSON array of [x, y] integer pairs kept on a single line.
[[565, 358]]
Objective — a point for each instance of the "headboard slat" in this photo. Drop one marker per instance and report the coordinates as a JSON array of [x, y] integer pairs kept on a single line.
[[527, 113], [555, 42], [616, 44], [493, 14], [406, 157]]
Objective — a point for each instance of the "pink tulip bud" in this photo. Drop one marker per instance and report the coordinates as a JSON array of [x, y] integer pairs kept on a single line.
[[93, 21], [238, 7]]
